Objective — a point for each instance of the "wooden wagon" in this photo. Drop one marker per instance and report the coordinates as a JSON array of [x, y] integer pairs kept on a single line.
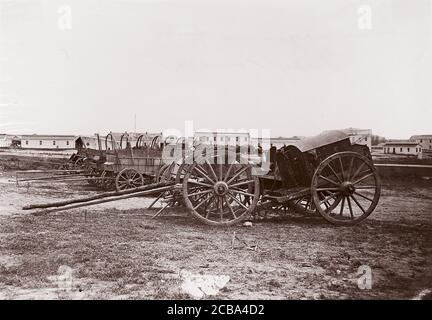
[[327, 175]]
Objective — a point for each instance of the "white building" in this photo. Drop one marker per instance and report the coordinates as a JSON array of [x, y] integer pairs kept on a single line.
[[231, 138], [360, 136], [402, 148], [89, 142], [425, 141], [281, 142], [36, 141]]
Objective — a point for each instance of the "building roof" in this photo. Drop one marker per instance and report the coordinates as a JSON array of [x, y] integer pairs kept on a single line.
[[421, 136], [220, 132], [46, 137], [401, 143], [352, 131], [286, 139]]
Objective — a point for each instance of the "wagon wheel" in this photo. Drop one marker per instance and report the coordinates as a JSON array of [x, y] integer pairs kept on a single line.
[[165, 174], [79, 163], [108, 180], [220, 192], [92, 173], [128, 179], [346, 188], [100, 182]]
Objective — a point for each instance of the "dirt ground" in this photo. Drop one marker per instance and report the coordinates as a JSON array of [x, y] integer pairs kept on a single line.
[[117, 251]]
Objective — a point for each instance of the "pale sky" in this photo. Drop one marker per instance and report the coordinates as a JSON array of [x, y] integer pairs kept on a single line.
[[297, 67]]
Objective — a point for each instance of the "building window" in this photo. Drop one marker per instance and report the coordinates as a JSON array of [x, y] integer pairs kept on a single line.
[[214, 139], [408, 149], [237, 139], [421, 140], [365, 138], [67, 143], [40, 142], [401, 150], [26, 142], [54, 143]]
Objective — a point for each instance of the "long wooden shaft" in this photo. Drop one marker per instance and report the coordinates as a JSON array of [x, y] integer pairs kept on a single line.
[[153, 186], [57, 177], [66, 180], [90, 203], [47, 171]]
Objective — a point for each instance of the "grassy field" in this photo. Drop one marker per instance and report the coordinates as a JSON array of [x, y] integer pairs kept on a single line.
[[117, 251]]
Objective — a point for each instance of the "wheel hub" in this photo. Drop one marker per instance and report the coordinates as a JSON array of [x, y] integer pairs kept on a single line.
[[347, 188], [221, 188]]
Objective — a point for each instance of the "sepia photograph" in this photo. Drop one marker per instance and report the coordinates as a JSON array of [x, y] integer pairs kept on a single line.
[[228, 152]]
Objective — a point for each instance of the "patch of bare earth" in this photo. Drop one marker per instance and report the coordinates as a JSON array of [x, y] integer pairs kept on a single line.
[[119, 252]]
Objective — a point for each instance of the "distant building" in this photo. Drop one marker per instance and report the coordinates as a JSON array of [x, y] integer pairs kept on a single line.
[[358, 136], [36, 141], [425, 141], [88, 142], [281, 141], [5, 140], [402, 148], [231, 138]]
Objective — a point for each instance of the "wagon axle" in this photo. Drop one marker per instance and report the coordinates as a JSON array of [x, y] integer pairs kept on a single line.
[[347, 188]]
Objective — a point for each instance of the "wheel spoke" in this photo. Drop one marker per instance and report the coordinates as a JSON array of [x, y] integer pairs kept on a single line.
[[220, 171], [350, 208], [199, 205], [358, 171], [342, 168], [328, 180], [365, 187], [229, 207], [208, 201], [241, 183], [342, 206], [229, 171], [211, 170], [363, 196], [363, 178], [200, 183], [334, 172], [198, 193], [236, 200], [350, 168], [358, 204], [237, 174], [202, 172]]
